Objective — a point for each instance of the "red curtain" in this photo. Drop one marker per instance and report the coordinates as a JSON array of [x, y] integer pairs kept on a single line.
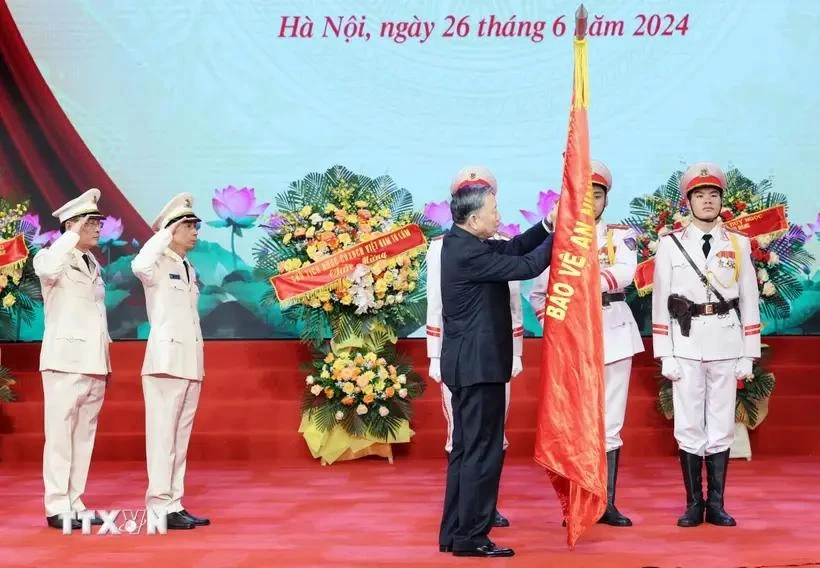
[[42, 157]]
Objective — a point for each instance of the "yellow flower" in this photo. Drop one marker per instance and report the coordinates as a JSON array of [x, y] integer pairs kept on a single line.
[[371, 357], [344, 238], [286, 239], [327, 306], [346, 300], [380, 287], [328, 226], [368, 397], [311, 251], [16, 276], [361, 204], [330, 208], [314, 303], [329, 358], [351, 219], [368, 375], [310, 232], [324, 296], [8, 300], [384, 212], [306, 210], [380, 385], [383, 374], [4, 281], [411, 286], [325, 374], [348, 388]]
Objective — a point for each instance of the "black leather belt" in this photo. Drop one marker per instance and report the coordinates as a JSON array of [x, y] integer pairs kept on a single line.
[[713, 308], [609, 297]]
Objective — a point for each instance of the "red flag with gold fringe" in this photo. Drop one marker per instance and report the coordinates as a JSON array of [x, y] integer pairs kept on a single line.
[[569, 439]]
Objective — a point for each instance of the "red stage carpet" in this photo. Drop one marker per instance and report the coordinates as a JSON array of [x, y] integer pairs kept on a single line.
[[373, 514], [272, 505]]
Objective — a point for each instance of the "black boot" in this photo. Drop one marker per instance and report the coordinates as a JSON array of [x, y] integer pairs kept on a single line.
[[716, 466], [612, 516], [692, 467], [499, 520]]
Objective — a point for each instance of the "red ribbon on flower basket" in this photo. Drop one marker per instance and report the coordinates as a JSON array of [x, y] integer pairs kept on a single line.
[[291, 286], [13, 251]]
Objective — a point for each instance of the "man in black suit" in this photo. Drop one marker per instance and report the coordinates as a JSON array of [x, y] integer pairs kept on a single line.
[[477, 353]]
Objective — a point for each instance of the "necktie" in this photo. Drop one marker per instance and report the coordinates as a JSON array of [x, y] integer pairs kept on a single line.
[[707, 246], [187, 274], [87, 261]]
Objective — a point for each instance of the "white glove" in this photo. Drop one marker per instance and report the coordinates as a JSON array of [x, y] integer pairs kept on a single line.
[[671, 368], [435, 369], [743, 368], [517, 367]]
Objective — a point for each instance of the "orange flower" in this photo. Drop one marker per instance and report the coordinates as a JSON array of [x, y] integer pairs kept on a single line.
[[329, 392], [368, 398], [299, 232], [389, 392], [347, 401]]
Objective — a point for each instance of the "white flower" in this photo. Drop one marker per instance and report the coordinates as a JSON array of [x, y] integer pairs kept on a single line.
[[403, 393], [677, 217], [361, 409], [310, 380], [769, 289], [762, 275], [339, 415], [773, 258], [402, 379], [653, 246], [399, 298], [383, 411], [316, 390], [764, 241], [390, 299], [316, 219]]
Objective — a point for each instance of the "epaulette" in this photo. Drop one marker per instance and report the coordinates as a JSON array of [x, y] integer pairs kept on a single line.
[[618, 226], [678, 230], [438, 238], [735, 231]]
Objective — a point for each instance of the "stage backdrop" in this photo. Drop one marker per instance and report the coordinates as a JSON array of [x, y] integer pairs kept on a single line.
[[234, 101]]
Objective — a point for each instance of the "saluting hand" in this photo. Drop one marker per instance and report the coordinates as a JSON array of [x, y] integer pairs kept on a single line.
[[78, 225]]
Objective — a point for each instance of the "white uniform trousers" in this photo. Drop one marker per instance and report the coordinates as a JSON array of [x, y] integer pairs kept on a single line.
[[447, 408], [704, 403], [72, 403], [616, 384], [170, 406]]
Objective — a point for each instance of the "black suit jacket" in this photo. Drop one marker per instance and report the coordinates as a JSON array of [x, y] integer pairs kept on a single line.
[[477, 344]]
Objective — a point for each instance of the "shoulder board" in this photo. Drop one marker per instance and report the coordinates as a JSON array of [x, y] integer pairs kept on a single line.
[[674, 231], [618, 226], [438, 238], [728, 230]]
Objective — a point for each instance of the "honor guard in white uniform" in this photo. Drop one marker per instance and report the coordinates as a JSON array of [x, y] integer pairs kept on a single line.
[[465, 177], [174, 358], [74, 359], [622, 339], [706, 331]]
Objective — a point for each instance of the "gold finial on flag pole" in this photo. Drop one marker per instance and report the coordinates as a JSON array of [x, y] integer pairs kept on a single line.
[[581, 22]]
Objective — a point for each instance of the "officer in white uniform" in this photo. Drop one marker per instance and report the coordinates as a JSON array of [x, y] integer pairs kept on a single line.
[[706, 331], [74, 359], [174, 358], [467, 176], [622, 338]]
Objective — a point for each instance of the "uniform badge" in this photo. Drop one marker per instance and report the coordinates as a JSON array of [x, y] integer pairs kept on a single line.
[[175, 277], [726, 259], [704, 172]]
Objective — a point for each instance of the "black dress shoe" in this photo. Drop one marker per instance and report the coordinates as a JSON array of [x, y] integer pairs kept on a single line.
[[486, 551], [500, 520], [55, 522], [177, 521], [445, 548], [96, 520], [198, 521]]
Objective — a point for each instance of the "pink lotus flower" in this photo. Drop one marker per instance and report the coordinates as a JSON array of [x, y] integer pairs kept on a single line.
[[30, 226], [546, 201], [438, 213], [509, 231], [110, 232], [236, 207]]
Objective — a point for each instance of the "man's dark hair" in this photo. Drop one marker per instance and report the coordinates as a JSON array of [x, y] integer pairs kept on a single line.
[[467, 201]]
